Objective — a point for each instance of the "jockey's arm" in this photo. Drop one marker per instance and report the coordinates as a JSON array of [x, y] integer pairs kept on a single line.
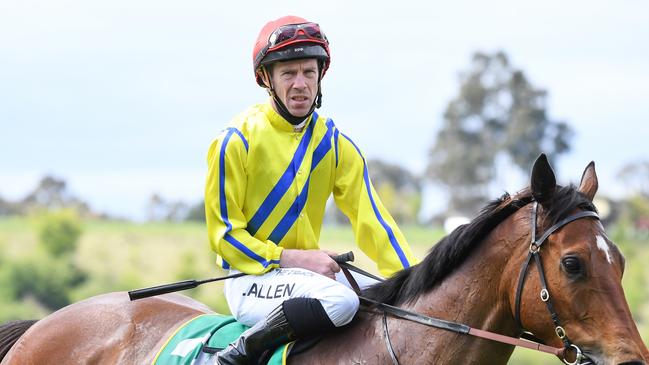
[[376, 232]]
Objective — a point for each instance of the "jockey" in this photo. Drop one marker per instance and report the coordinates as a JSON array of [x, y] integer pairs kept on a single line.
[[270, 175]]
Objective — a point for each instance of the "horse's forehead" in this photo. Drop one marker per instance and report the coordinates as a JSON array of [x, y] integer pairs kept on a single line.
[[603, 245], [601, 242]]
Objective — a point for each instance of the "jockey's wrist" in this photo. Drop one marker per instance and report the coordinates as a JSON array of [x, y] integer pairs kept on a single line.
[[288, 257]]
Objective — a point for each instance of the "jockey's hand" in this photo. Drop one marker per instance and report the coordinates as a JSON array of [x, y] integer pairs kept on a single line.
[[318, 261]]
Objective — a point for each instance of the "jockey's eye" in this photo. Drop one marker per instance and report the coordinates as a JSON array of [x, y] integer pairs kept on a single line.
[[572, 266]]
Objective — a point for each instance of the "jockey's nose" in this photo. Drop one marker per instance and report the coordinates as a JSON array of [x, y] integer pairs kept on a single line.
[[633, 362]]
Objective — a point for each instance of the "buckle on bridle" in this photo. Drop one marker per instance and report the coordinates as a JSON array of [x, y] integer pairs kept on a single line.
[[534, 248], [545, 295], [578, 355]]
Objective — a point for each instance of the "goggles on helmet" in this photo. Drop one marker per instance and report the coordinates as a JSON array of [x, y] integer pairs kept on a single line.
[[286, 34], [290, 32]]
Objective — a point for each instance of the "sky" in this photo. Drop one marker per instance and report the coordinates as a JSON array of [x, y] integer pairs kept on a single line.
[[122, 98]]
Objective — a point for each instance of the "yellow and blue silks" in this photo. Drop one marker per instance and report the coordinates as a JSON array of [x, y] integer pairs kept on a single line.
[[268, 185]]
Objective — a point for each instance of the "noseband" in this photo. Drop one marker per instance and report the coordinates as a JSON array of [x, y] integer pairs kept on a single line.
[[534, 252]]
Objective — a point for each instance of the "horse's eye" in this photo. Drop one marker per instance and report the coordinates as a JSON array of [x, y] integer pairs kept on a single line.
[[572, 265]]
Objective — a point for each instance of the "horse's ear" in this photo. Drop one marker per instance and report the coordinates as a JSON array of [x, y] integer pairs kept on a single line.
[[543, 181], [588, 185]]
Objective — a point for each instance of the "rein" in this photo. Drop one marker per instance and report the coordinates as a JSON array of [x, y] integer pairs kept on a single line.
[[450, 326], [464, 329]]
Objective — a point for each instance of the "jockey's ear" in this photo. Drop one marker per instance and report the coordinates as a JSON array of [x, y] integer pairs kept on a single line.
[[543, 182], [264, 74], [588, 185]]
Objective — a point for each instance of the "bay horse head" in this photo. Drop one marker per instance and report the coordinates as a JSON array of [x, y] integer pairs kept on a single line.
[[575, 298]]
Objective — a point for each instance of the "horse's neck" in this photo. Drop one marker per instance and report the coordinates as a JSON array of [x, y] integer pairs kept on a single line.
[[475, 294]]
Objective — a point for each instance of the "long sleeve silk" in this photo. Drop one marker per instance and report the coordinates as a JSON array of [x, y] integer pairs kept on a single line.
[[267, 188]]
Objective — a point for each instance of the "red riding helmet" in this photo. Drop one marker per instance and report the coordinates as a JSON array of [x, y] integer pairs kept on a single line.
[[289, 38]]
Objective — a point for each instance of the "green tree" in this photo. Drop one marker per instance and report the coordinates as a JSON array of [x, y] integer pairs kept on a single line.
[[8, 208], [400, 190], [59, 232], [635, 176], [52, 194], [160, 209], [49, 274], [498, 112], [635, 207], [196, 212], [45, 279]]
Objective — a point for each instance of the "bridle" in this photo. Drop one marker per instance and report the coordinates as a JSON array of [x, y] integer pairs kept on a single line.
[[534, 253]]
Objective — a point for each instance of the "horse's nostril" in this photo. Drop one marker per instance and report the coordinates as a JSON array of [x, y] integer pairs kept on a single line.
[[633, 362]]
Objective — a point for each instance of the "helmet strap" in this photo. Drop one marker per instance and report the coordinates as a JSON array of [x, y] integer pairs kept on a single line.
[[282, 109], [318, 98]]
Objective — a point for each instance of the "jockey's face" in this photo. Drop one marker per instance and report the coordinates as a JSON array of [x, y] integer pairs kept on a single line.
[[296, 84]]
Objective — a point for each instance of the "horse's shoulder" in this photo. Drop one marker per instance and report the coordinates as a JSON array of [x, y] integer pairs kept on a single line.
[[181, 301], [172, 304], [122, 300], [112, 318], [116, 308]]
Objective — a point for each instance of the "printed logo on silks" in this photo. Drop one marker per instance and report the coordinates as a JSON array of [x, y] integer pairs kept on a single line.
[[270, 291], [293, 272]]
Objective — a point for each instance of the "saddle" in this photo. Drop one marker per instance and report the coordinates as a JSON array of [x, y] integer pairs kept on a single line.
[[197, 341]]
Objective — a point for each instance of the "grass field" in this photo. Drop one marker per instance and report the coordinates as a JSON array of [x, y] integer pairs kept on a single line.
[[121, 256]]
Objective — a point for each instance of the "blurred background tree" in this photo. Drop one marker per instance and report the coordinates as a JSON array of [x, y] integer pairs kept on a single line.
[[634, 220], [52, 193], [497, 114], [196, 212], [59, 232], [49, 274], [160, 209], [8, 208], [635, 176], [399, 188]]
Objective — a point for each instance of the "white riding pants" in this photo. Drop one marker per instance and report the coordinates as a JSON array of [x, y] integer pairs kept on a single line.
[[252, 297]]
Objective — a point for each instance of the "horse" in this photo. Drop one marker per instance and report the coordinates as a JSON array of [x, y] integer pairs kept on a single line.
[[493, 273]]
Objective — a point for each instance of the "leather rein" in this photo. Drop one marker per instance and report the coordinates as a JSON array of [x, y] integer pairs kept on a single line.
[[534, 253]]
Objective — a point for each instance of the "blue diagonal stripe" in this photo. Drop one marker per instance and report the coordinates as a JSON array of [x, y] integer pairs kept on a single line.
[[336, 145], [291, 215], [284, 182], [386, 227], [248, 252], [243, 139], [323, 147], [222, 201], [296, 208], [224, 206]]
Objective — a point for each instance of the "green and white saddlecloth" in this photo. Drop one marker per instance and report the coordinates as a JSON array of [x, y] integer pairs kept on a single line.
[[184, 346]]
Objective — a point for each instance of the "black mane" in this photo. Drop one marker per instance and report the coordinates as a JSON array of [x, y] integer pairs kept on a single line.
[[450, 252]]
